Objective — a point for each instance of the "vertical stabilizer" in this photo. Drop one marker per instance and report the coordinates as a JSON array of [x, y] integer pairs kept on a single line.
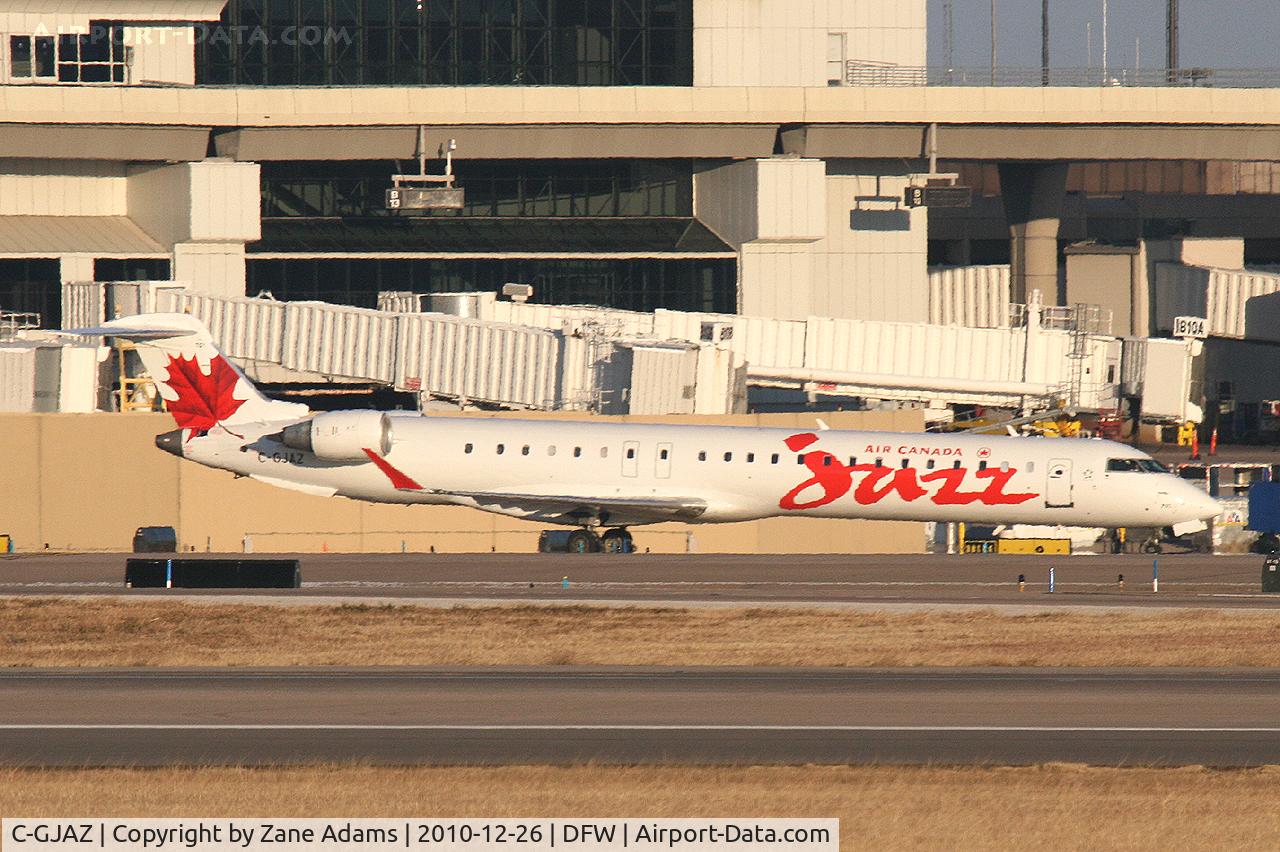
[[200, 386]]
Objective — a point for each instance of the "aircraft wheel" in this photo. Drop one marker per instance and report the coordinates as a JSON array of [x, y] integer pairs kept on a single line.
[[583, 541], [1152, 547], [618, 541]]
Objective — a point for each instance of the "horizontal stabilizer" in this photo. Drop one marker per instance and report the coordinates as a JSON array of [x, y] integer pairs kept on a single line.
[[127, 333]]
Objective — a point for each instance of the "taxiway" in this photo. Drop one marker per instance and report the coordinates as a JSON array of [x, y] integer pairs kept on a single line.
[[624, 715]]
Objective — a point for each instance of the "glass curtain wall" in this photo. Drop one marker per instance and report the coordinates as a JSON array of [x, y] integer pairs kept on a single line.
[[449, 42], [638, 285], [521, 188]]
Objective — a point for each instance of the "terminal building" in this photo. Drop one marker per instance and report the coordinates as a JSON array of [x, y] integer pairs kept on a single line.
[[626, 153], [713, 156], [726, 185]]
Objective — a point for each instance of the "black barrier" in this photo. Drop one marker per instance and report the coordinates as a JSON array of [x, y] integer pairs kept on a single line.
[[1271, 574], [212, 574]]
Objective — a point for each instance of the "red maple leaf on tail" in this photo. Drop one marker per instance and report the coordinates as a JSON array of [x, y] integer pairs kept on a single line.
[[203, 401]]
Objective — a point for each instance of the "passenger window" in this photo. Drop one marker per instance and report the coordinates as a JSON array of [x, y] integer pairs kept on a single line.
[[728, 456], [702, 455], [469, 448], [879, 462], [982, 465], [751, 457], [1031, 467], [551, 450], [604, 452], [956, 465], [1004, 467], [502, 448], [799, 459], [906, 463], [631, 452], [665, 454], [577, 452], [853, 461], [524, 451], [774, 458], [930, 464]]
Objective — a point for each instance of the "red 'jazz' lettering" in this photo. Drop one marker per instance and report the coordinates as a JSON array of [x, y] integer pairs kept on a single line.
[[828, 474], [994, 494], [902, 480], [836, 480], [950, 494]]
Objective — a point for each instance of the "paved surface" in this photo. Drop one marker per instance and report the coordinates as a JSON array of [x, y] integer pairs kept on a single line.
[[718, 716], [1185, 579]]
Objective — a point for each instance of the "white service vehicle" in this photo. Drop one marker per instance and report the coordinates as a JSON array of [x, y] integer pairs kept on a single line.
[[606, 477]]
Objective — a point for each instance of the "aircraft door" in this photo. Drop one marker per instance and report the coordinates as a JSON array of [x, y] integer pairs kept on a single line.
[[1058, 493], [631, 458], [662, 466]]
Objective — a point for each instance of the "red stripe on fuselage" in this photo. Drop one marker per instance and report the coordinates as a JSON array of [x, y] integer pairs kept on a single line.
[[399, 479]]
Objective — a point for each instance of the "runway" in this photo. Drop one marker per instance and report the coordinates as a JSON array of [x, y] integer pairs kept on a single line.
[[1185, 579], [624, 715]]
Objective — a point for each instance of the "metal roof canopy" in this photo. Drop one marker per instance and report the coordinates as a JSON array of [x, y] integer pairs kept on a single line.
[[123, 143], [41, 236], [513, 142]]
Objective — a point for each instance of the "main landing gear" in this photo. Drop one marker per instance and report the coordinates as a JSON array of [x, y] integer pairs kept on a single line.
[[613, 541]]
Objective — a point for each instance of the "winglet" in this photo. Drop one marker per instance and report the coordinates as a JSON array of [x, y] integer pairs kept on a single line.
[[822, 425], [401, 480]]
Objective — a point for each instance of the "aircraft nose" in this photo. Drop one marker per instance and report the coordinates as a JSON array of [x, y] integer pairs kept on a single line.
[[171, 442], [1201, 503]]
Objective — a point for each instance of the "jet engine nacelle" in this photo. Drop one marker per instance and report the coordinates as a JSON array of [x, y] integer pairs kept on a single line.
[[341, 435]]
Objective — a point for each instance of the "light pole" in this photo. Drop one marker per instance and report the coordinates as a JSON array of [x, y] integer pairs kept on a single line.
[[1104, 41], [1044, 42], [994, 42]]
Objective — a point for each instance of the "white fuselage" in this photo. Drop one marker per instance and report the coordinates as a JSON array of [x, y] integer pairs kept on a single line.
[[741, 473]]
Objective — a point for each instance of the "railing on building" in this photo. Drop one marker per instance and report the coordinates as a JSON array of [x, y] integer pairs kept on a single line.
[[876, 74], [12, 322]]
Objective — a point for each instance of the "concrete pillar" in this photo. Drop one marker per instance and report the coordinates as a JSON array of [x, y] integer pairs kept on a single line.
[[1033, 195]]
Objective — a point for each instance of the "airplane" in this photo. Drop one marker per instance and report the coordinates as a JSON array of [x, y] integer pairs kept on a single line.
[[604, 478]]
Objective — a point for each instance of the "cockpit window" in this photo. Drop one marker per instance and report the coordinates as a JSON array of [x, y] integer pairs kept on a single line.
[[1135, 466]]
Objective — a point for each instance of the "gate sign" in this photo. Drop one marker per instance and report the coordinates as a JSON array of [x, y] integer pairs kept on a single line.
[[1197, 327], [938, 196]]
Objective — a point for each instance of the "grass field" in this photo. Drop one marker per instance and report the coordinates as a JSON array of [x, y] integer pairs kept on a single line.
[[71, 632], [1045, 808]]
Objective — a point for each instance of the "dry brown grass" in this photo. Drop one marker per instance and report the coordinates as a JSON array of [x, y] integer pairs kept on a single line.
[[71, 632], [1043, 808]]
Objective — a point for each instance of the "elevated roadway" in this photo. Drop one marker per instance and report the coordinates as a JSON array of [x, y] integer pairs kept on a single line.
[[706, 716], [989, 123]]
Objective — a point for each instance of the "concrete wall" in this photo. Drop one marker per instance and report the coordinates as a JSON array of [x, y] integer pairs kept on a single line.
[[873, 265], [824, 239], [785, 42], [62, 188], [162, 54], [86, 482], [205, 212], [208, 201]]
